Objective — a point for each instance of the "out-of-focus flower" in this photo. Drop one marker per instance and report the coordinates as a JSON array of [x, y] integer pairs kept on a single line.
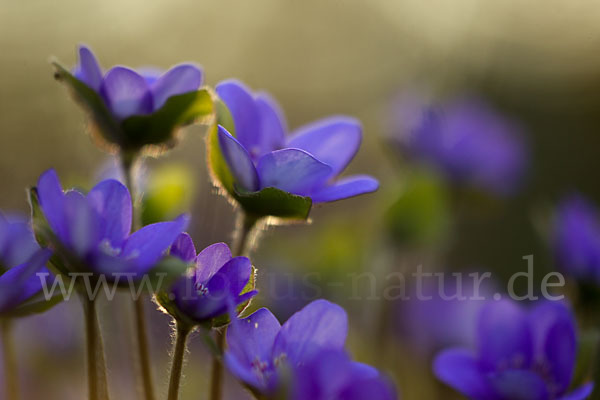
[[269, 357], [217, 283], [577, 238], [17, 243], [92, 233], [258, 155], [19, 284], [465, 139], [445, 315], [521, 354], [127, 92], [21, 260], [332, 375], [132, 109]]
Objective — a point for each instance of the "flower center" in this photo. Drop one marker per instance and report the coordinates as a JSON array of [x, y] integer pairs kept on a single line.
[[107, 248], [201, 289]]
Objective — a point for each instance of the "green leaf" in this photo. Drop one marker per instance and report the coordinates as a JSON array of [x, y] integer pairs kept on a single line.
[[275, 203], [106, 125], [159, 127]]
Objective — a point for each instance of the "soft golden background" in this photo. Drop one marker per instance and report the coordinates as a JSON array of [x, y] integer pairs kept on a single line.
[[538, 61]]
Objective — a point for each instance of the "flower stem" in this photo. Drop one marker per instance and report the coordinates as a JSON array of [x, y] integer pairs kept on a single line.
[[244, 228], [243, 236], [181, 336], [96, 366], [216, 386], [142, 347], [128, 161], [11, 378]]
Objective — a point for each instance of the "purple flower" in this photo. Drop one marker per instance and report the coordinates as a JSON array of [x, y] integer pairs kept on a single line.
[[306, 163], [92, 231], [332, 375], [465, 139], [577, 238], [262, 353], [127, 92], [445, 316], [521, 354], [20, 260], [216, 284], [17, 243]]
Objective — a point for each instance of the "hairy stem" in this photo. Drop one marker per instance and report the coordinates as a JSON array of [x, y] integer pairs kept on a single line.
[[178, 356], [216, 382], [11, 376], [96, 365], [141, 337]]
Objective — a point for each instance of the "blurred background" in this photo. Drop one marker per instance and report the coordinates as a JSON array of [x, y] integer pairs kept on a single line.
[[536, 63]]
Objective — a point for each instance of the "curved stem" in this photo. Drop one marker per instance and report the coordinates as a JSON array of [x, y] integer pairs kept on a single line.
[[11, 379], [216, 382], [177, 364], [96, 365], [128, 161]]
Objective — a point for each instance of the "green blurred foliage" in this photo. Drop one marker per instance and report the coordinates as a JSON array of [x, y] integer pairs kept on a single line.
[[169, 192], [420, 216]]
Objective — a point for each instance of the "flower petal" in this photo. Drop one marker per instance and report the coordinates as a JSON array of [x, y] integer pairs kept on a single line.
[[504, 336], [333, 141], [88, 71], [231, 277], [244, 112], [244, 373], [373, 388], [82, 224], [272, 124], [52, 200], [147, 245], [252, 338], [180, 79], [292, 170], [344, 188], [324, 376], [580, 393], [112, 202], [459, 369], [318, 326], [126, 93], [518, 384], [20, 283], [17, 243], [554, 338], [202, 300], [210, 260], [239, 161], [184, 248]]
